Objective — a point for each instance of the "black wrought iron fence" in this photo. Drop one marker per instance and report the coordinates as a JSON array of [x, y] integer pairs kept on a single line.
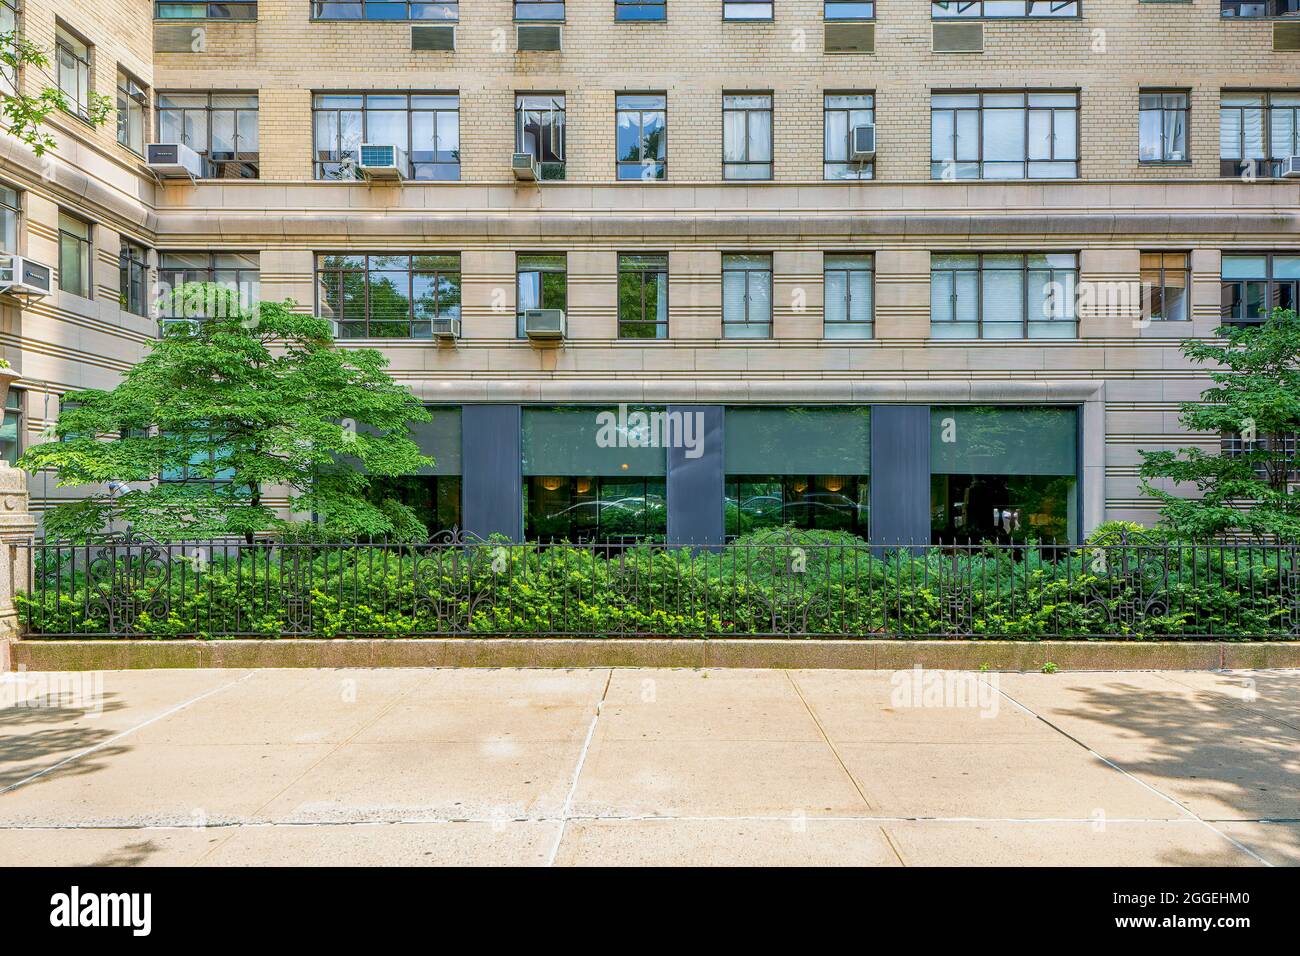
[[783, 583]]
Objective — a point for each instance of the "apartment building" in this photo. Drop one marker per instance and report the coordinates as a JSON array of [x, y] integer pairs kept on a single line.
[[913, 270]]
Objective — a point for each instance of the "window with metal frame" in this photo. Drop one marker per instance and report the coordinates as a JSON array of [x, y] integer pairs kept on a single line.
[[446, 11], [534, 10], [747, 10], [75, 259], [72, 56], [1162, 126], [849, 10], [541, 282], [237, 271], [9, 24], [1004, 135], [1003, 9], [13, 427], [165, 10], [747, 136], [643, 295], [747, 296], [132, 110], [133, 278], [1003, 295], [220, 127], [641, 136], [540, 131], [425, 125], [1258, 131], [841, 114], [205, 460], [11, 211], [847, 309], [1259, 9], [1276, 454], [1166, 280], [1253, 284], [385, 296], [640, 10]]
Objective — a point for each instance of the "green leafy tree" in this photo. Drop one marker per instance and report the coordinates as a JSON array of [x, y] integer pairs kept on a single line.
[[1256, 397], [23, 115], [224, 408]]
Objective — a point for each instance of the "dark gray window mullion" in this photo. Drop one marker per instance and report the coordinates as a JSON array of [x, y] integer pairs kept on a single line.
[[1024, 286]]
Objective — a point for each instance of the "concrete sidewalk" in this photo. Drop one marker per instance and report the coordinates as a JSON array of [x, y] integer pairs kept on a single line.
[[602, 766]]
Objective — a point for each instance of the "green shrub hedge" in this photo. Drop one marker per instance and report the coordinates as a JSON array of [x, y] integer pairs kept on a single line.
[[775, 582]]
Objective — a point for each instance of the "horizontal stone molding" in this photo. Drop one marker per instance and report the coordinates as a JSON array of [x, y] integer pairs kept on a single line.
[[812, 390], [325, 231], [655, 652]]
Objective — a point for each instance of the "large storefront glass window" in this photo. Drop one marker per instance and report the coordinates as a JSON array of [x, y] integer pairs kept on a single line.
[[595, 473], [1003, 474], [432, 493], [801, 466]]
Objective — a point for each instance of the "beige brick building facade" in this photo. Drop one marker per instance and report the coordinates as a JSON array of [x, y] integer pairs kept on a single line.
[[1126, 375]]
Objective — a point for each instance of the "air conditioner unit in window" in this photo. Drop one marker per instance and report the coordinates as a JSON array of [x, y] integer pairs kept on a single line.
[[864, 144], [525, 167], [1291, 167], [544, 325], [382, 161], [173, 161], [25, 277], [539, 38], [446, 328]]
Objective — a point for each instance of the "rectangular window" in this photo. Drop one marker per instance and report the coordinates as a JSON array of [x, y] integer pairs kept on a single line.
[[1003, 474], [581, 486], [540, 131], [643, 296], [220, 127], [802, 466], [10, 211], [640, 10], [388, 296], [846, 10], [164, 10], [1267, 9], [1002, 9], [12, 428], [1166, 277], [74, 255], [433, 493], [1162, 127], [73, 58], [237, 271], [842, 114], [1253, 284], [642, 135], [847, 291], [747, 136], [447, 11], [534, 10], [1004, 135], [1277, 454], [8, 24], [747, 296], [206, 459], [746, 10], [132, 108], [425, 125], [1257, 132], [133, 278], [1003, 295], [542, 282]]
